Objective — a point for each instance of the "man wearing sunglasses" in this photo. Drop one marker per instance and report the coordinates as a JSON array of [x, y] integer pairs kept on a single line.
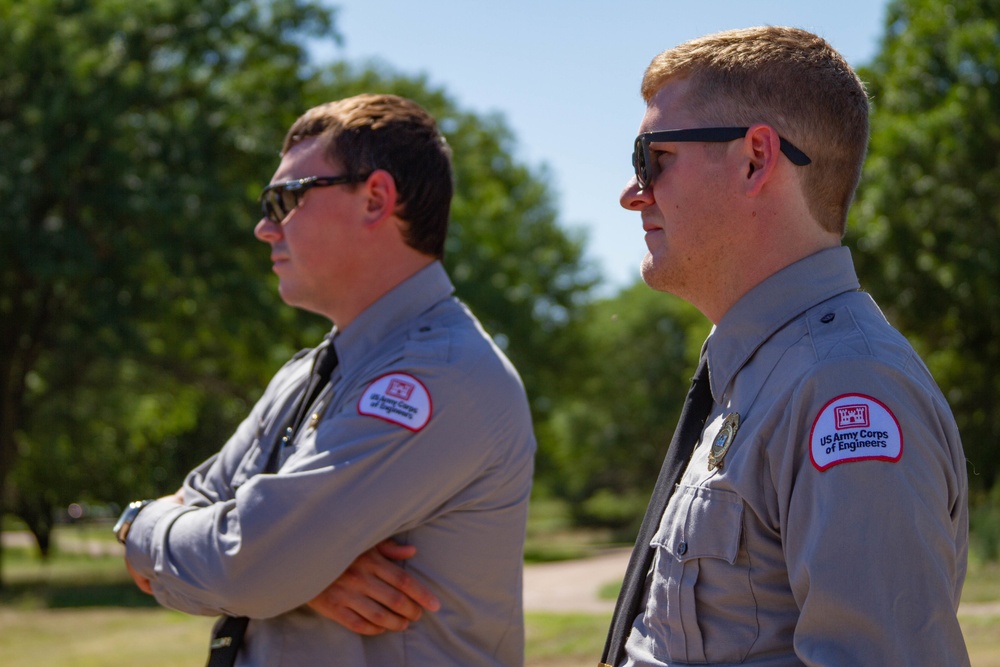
[[383, 473], [812, 507]]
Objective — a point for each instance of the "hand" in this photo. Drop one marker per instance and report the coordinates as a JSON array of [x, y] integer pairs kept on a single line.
[[177, 497], [140, 581], [375, 594]]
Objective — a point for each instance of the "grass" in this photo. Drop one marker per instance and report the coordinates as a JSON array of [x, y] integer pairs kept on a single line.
[[564, 639], [982, 631], [552, 537], [102, 637], [982, 583], [609, 591], [69, 579], [119, 637], [82, 610], [982, 637]]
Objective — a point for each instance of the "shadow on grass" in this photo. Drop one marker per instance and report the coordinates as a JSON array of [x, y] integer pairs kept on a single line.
[[73, 595], [67, 579]]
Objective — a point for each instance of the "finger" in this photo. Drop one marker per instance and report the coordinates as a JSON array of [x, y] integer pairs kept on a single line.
[[357, 612], [347, 618], [367, 580], [402, 587], [393, 551]]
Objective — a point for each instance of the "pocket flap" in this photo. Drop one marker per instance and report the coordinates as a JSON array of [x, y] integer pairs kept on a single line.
[[701, 523]]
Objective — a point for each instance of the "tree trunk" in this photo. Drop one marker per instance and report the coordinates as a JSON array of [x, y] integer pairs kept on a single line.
[[38, 514]]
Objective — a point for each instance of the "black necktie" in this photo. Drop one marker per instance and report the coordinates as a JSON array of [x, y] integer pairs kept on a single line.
[[697, 405], [323, 365], [227, 636]]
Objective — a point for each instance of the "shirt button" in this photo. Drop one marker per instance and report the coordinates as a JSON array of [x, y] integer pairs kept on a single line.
[[682, 548], [826, 319]]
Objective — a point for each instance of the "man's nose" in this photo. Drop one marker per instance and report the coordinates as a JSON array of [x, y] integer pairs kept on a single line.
[[634, 197], [266, 230]]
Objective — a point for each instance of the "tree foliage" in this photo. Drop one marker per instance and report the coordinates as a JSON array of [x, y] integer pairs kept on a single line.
[[927, 219], [138, 317], [608, 438], [132, 131]]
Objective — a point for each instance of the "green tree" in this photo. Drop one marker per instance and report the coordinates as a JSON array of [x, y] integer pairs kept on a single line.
[[131, 133], [926, 224], [639, 352], [143, 312]]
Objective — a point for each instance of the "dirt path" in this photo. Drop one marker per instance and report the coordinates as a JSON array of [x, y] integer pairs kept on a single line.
[[573, 586]]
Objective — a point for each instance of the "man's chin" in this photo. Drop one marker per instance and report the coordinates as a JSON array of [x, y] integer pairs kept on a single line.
[[287, 294], [656, 275], [648, 271]]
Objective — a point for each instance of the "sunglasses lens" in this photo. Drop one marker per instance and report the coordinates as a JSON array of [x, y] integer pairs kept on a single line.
[[288, 200], [276, 204], [267, 205], [639, 163]]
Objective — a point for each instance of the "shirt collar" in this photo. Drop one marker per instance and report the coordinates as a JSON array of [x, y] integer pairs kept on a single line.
[[415, 295], [771, 305]]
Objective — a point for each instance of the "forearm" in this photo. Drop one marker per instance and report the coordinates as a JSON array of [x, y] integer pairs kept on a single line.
[[203, 561], [276, 546]]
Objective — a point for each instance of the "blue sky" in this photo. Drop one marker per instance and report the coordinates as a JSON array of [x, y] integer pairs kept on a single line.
[[565, 76]]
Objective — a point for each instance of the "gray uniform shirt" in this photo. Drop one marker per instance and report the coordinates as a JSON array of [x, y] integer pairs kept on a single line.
[[836, 530], [424, 434]]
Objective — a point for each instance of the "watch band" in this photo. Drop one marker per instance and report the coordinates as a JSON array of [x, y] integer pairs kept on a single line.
[[124, 522]]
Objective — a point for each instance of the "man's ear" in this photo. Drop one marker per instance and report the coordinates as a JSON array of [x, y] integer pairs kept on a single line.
[[762, 148], [382, 197]]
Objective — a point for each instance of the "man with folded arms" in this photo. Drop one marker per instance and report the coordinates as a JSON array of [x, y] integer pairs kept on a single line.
[[404, 436]]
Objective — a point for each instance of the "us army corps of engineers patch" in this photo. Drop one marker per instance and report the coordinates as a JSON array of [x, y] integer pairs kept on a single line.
[[854, 427], [399, 398]]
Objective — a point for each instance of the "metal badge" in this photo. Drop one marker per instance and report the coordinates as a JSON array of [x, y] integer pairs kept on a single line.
[[723, 440]]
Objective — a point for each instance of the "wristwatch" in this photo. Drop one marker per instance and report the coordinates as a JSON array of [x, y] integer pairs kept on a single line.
[[128, 516]]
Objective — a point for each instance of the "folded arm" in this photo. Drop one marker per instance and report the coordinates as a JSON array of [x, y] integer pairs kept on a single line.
[[375, 594]]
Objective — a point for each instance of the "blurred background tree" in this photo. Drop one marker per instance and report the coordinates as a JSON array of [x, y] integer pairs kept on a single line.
[[605, 443], [132, 307], [139, 318], [926, 222]]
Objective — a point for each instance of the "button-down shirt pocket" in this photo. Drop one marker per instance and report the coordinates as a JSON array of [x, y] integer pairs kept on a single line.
[[697, 573]]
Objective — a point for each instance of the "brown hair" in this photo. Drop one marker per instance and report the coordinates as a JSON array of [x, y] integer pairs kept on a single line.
[[792, 80], [369, 132]]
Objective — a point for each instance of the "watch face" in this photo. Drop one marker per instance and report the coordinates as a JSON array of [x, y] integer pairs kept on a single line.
[[128, 516]]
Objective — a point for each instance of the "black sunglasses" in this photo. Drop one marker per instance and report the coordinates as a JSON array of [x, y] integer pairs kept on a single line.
[[645, 166], [278, 199]]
